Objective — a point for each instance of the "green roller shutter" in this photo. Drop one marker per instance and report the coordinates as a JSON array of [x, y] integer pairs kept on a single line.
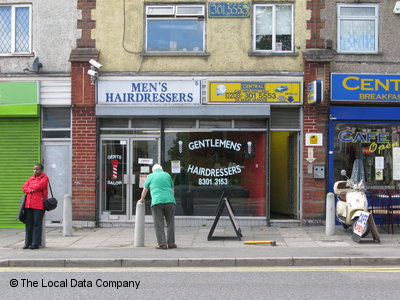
[[19, 151]]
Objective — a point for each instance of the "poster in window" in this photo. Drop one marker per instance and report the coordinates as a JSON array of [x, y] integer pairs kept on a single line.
[[396, 163]]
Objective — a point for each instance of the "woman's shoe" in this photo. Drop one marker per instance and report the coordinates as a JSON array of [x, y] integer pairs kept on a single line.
[[170, 246]]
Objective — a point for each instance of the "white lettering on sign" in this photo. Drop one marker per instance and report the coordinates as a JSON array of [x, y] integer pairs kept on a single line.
[[216, 143], [221, 172], [149, 92], [114, 156]]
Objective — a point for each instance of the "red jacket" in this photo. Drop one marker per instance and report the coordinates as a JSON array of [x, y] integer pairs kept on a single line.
[[39, 184]]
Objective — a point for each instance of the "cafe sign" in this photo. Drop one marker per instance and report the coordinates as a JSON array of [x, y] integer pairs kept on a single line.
[[279, 92], [369, 88]]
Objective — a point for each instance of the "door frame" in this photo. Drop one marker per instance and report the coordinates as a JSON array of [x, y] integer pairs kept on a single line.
[[130, 139]]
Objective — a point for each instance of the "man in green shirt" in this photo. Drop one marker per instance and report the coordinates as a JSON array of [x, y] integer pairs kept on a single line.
[[162, 205]]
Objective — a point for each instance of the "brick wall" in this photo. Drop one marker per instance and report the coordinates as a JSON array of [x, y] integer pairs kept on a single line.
[[316, 117], [315, 24], [84, 147]]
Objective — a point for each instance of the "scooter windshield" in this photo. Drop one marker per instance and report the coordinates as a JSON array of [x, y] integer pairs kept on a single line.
[[357, 179]]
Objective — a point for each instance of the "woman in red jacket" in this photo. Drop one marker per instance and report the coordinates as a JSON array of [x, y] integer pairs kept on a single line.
[[36, 189]]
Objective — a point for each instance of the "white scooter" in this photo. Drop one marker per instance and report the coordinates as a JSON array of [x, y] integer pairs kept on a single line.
[[351, 197]]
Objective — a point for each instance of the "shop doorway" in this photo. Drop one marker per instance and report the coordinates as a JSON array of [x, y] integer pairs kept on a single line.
[[284, 175], [124, 165]]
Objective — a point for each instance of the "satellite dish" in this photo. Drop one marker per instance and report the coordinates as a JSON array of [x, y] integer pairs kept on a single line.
[[36, 66]]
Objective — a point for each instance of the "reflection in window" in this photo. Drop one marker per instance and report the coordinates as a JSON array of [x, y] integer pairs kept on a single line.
[[375, 144], [357, 28], [205, 164], [15, 35], [273, 27], [175, 28]]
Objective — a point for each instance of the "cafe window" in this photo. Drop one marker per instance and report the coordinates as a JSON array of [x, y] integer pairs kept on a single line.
[[273, 27], [175, 28], [377, 145]]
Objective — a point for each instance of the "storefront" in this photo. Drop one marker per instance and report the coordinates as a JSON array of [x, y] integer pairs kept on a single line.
[[371, 133], [211, 135], [19, 144]]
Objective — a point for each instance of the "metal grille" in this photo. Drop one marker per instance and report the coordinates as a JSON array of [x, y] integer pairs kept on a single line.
[[5, 29], [20, 150], [21, 29], [285, 118]]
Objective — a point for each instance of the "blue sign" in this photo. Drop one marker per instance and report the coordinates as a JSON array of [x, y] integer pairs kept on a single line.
[[229, 10], [315, 92], [369, 88]]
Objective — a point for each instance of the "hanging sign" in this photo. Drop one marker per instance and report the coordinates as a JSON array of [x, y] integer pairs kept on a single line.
[[315, 92]]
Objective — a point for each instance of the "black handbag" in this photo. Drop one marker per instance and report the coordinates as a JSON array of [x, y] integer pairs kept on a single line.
[[21, 212], [50, 203]]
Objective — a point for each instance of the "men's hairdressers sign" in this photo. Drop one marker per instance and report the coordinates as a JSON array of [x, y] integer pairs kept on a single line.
[[149, 92]]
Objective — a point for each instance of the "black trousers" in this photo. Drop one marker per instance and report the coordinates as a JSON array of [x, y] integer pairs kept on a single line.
[[33, 226]]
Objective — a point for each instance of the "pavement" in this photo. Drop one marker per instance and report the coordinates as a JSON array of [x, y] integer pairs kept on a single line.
[[113, 247]]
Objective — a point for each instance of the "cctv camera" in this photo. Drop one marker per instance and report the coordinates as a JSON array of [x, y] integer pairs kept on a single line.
[[95, 64], [92, 73]]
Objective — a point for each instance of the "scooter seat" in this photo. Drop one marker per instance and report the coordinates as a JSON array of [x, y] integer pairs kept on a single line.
[[342, 196]]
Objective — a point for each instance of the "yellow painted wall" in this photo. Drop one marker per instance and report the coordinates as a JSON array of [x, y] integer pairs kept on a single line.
[[279, 172], [120, 41]]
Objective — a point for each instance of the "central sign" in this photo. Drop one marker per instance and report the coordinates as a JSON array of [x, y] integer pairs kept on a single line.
[[279, 92]]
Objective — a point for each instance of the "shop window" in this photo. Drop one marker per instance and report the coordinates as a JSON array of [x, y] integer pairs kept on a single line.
[[357, 28], [56, 122], [273, 27], [215, 124], [377, 145], [15, 29], [175, 28], [203, 165]]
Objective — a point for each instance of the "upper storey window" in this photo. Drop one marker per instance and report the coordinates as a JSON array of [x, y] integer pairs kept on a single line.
[[358, 28], [273, 27], [175, 28], [15, 29]]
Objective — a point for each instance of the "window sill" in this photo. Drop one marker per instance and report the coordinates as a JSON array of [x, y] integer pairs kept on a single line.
[[253, 53], [175, 53], [18, 55], [358, 53]]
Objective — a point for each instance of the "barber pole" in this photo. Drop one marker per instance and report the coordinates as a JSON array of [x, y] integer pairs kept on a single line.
[[115, 163]]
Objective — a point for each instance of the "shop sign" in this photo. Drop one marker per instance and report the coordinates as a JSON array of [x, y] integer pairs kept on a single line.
[[279, 92], [365, 87], [216, 175], [18, 92], [229, 9], [314, 139], [378, 140], [315, 92], [149, 92]]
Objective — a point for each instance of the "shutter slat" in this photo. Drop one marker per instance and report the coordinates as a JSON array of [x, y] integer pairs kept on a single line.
[[19, 151]]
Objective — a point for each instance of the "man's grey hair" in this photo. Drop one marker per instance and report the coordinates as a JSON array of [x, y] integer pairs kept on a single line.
[[157, 167]]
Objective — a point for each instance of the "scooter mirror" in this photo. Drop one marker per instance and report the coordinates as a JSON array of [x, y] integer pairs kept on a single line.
[[343, 173]]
